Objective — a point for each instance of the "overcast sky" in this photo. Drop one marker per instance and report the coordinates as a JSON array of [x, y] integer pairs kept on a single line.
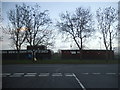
[[55, 8]]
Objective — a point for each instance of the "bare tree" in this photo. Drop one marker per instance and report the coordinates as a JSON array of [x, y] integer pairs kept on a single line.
[[78, 25], [29, 25], [38, 25], [16, 27], [107, 25], [107, 19]]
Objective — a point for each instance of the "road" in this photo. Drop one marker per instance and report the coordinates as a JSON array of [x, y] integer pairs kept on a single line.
[[60, 76]]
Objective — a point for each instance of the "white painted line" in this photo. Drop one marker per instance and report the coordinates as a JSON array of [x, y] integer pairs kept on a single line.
[[111, 73], [96, 73], [6, 73], [56, 74], [19, 73], [15, 76], [79, 82], [30, 75], [85, 73], [69, 74], [44, 74]]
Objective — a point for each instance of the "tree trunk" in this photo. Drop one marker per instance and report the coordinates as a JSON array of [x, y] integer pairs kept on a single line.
[[78, 47], [33, 56], [77, 43], [18, 54], [105, 43], [81, 49], [110, 54]]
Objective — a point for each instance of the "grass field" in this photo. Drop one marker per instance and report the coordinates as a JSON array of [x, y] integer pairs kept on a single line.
[[60, 62]]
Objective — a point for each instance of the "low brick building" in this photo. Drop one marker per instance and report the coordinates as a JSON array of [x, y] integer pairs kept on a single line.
[[87, 54], [41, 52]]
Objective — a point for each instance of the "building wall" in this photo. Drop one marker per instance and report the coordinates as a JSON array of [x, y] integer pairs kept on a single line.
[[24, 54], [87, 54]]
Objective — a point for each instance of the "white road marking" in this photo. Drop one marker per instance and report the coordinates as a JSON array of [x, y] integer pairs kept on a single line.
[[15, 75], [79, 82], [44, 74], [111, 73], [32, 73], [56, 74], [29, 75], [69, 74], [19, 73], [85, 73], [5, 74]]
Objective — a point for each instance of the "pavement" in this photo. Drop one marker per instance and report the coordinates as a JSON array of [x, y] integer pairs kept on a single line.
[[60, 76]]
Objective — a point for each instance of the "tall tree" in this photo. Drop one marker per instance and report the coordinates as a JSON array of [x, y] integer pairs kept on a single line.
[[37, 23], [107, 19], [16, 26], [107, 25], [29, 25], [78, 25]]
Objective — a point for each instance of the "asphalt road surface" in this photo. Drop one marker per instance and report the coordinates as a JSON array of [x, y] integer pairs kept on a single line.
[[60, 76]]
